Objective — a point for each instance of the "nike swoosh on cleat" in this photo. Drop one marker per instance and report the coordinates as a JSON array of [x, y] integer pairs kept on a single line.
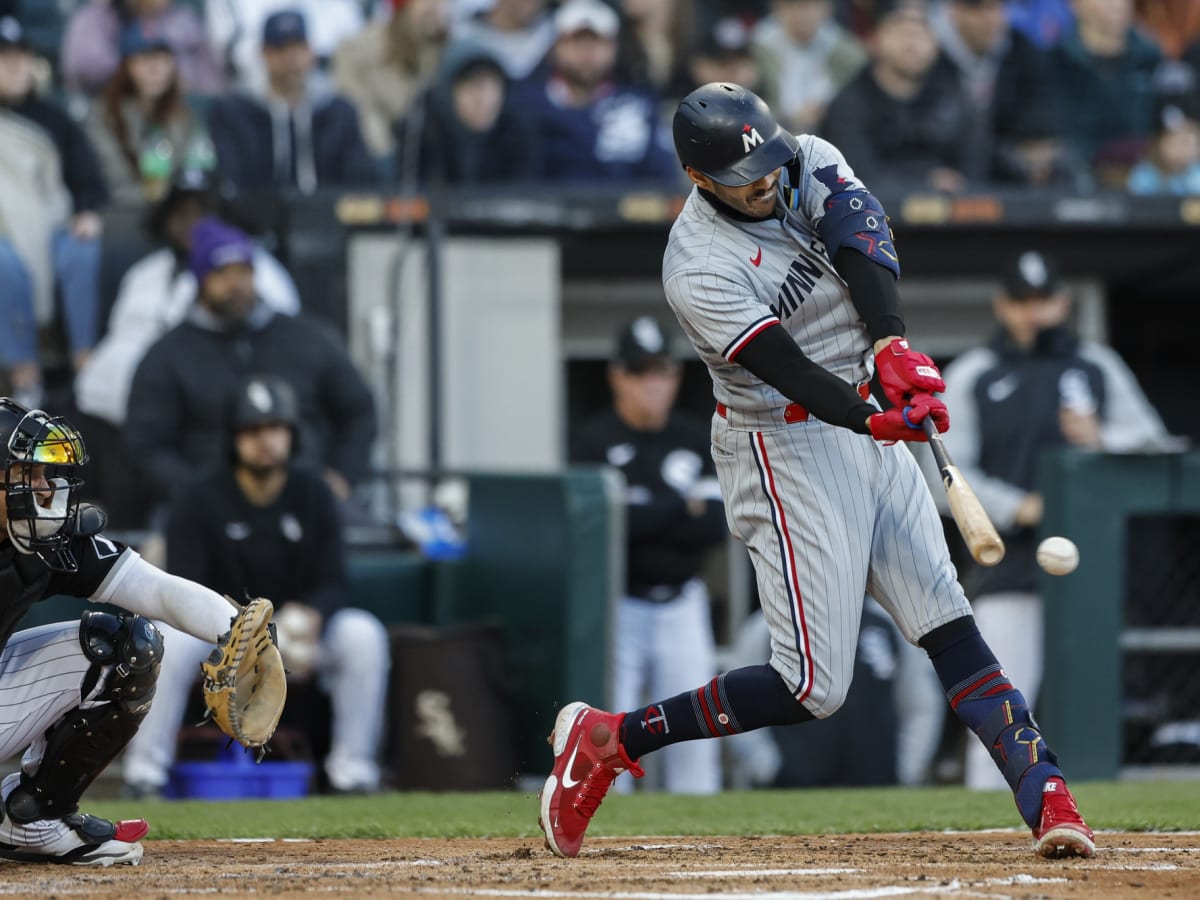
[[567, 780]]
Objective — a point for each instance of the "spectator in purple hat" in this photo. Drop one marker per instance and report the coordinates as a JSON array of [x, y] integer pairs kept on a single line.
[[175, 416], [299, 136], [142, 127], [91, 50]]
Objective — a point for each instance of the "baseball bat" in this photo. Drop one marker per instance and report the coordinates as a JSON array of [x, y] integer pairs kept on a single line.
[[977, 529]]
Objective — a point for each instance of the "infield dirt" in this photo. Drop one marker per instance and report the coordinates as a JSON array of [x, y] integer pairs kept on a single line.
[[993, 864]]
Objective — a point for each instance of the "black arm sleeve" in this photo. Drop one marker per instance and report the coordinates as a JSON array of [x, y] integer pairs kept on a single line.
[[775, 358], [872, 291]]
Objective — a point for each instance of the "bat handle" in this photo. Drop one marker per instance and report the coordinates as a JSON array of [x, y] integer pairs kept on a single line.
[[930, 428]]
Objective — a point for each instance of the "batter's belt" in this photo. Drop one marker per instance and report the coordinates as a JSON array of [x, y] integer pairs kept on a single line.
[[770, 418]]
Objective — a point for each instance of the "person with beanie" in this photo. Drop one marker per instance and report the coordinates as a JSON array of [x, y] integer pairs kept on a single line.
[[156, 293], [466, 131], [175, 423]]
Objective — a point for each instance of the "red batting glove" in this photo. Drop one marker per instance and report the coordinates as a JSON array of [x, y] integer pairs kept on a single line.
[[905, 424], [904, 373], [923, 405]]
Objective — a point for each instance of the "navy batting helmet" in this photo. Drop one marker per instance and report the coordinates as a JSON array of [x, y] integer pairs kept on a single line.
[[729, 133]]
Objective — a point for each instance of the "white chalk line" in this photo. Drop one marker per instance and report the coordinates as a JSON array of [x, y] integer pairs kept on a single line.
[[752, 873]]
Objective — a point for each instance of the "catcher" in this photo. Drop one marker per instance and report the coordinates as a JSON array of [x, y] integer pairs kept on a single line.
[[72, 694]]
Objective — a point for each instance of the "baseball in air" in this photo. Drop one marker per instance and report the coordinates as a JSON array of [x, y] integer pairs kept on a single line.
[[1058, 555]]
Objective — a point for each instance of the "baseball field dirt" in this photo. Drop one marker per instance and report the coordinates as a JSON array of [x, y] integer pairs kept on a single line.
[[990, 864]]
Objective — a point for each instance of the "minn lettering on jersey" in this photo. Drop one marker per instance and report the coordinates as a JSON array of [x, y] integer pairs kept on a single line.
[[799, 282]]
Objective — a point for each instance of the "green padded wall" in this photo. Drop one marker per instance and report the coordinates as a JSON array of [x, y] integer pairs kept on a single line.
[[1089, 498], [538, 560]]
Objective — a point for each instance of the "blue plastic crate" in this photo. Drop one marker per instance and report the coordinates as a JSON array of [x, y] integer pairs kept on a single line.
[[235, 776]]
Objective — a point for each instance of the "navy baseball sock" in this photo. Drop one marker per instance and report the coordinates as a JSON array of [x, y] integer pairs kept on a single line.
[[740, 700], [982, 696]]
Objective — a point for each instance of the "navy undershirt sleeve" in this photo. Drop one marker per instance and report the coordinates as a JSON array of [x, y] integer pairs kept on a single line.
[[774, 357], [873, 292]]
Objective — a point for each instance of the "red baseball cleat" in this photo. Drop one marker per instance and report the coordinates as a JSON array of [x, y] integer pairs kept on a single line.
[[1061, 832], [587, 757]]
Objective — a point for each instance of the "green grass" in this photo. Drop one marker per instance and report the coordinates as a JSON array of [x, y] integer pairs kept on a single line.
[[1166, 806]]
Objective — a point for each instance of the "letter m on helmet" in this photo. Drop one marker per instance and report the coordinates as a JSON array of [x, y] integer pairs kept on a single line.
[[750, 138]]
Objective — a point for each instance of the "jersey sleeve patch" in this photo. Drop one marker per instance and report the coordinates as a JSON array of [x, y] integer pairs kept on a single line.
[[751, 331]]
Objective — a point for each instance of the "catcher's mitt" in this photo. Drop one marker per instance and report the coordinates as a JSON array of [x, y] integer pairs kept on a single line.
[[245, 684]]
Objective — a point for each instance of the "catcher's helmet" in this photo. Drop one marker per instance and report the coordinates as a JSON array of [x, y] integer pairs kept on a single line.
[[728, 133], [32, 438]]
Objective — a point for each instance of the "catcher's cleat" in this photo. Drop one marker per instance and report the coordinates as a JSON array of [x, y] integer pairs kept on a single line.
[[1061, 833], [587, 757], [78, 839]]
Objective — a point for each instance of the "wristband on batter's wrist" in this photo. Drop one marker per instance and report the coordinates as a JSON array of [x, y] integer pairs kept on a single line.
[[856, 417]]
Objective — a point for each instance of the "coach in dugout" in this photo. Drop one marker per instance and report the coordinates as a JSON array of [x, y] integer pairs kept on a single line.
[[663, 638], [1034, 386]]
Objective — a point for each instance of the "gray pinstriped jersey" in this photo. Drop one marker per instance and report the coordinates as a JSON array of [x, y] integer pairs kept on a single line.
[[726, 280], [827, 514]]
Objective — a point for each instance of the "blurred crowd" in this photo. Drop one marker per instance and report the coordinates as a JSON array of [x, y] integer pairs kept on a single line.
[[170, 107], [301, 94]]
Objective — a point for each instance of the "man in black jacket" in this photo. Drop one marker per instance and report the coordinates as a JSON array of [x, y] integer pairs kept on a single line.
[[49, 223], [1035, 386], [176, 405], [297, 136], [902, 121], [663, 640], [259, 525]]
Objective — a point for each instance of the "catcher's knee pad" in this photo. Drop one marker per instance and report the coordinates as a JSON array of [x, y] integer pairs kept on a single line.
[[127, 652], [132, 647]]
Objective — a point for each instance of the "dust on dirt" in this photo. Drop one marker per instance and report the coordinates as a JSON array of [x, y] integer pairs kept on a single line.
[[993, 865]]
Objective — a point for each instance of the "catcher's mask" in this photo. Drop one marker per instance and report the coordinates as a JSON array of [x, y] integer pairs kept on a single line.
[[43, 456]]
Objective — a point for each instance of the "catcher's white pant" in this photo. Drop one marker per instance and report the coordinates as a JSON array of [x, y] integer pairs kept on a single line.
[[41, 672], [1011, 623], [664, 649], [353, 664]]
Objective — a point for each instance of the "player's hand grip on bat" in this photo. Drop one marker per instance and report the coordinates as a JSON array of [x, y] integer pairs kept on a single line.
[[904, 423], [904, 373]]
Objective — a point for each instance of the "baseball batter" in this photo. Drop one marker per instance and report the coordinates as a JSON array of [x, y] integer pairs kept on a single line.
[[73, 693], [782, 272]]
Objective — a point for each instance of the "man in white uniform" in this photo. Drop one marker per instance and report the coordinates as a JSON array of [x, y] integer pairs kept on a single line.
[[74, 693], [782, 272]]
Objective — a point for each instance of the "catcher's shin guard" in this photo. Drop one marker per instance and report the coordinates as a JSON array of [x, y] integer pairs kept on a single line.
[[84, 741]]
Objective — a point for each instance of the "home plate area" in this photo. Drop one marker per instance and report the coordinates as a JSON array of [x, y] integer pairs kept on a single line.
[[838, 867]]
